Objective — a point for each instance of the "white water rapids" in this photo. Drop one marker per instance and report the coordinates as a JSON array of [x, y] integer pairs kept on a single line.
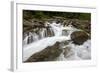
[[40, 42]]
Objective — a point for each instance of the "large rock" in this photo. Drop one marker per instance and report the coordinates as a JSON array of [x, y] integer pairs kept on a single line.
[[48, 54], [79, 37]]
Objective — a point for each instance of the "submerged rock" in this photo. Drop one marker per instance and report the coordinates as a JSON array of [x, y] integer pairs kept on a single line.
[[65, 32], [79, 37], [67, 51], [48, 54]]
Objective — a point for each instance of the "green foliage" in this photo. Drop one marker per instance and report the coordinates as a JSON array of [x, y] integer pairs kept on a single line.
[[86, 16], [28, 14], [39, 15]]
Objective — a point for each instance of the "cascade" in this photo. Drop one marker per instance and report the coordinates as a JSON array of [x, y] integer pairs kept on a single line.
[[49, 35]]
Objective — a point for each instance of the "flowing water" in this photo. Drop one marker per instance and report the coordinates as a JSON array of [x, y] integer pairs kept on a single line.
[[37, 41]]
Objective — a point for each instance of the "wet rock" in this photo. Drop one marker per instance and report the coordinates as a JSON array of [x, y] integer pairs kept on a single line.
[[66, 22], [48, 54], [67, 51], [65, 32], [30, 25], [27, 23], [82, 24], [63, 44], [79, 37]]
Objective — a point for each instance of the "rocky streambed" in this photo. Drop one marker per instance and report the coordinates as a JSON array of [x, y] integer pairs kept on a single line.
[[56, 39]]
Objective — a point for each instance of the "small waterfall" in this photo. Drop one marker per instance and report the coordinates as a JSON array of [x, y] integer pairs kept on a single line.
[[25, 40], [50, 30], [41, 33], [56, 28], [35, 37], [31, 37], [53, 32]]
